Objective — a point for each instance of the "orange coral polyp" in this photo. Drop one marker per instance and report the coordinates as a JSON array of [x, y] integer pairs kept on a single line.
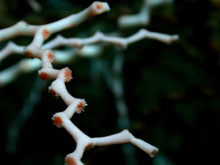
[[68, 75], [53, 92], [89, 146], [99, 6], [44, 76], [57, 120], [50, 56], [29, 54], [45, 33], [70, 161], [80, 106]]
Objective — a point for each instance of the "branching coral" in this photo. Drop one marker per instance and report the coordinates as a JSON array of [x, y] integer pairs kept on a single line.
[[63, 56], [37, 49]]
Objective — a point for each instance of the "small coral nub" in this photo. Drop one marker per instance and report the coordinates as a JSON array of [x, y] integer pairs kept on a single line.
[[57, 120], [153, 153], [68, 74], [43, 76], [70, 161], [45, 33]]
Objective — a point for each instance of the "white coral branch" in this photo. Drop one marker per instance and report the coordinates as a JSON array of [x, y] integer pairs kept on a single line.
[[100, 37], [30, 65], [86, 51], [42, 32], [142, 18], [62, 76]]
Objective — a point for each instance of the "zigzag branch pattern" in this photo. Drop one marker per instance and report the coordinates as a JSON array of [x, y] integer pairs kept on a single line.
[[43, 52]]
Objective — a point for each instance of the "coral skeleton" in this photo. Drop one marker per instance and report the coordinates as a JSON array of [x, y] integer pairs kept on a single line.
[[142, 18], [43, 55]]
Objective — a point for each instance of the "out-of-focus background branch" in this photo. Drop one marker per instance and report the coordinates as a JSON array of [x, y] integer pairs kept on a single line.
[[170, 92]]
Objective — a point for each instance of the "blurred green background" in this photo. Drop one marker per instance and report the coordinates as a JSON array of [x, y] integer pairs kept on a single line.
[[171, 91]]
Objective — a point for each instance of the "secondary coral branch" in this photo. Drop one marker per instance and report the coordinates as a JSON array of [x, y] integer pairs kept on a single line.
[[24, 66], [11, 48], [142, 17], [88, 51], [100, 37], [44, 31], [34, 5], [30, 65], [84, 142], [19, 29]]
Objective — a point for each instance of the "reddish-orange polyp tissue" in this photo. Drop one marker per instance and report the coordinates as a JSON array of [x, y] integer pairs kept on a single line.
[[43, 76], [70, 161], [53, 92], [57, 120], [99, 6], [29, 54], [90, 145], [68, 74], [80, 106], [50, 56], [45, 33]]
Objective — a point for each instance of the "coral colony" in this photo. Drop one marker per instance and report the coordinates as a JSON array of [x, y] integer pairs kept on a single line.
[[46, 54]]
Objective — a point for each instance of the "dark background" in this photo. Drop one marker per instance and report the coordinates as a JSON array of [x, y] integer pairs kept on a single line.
[[172, 91]]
